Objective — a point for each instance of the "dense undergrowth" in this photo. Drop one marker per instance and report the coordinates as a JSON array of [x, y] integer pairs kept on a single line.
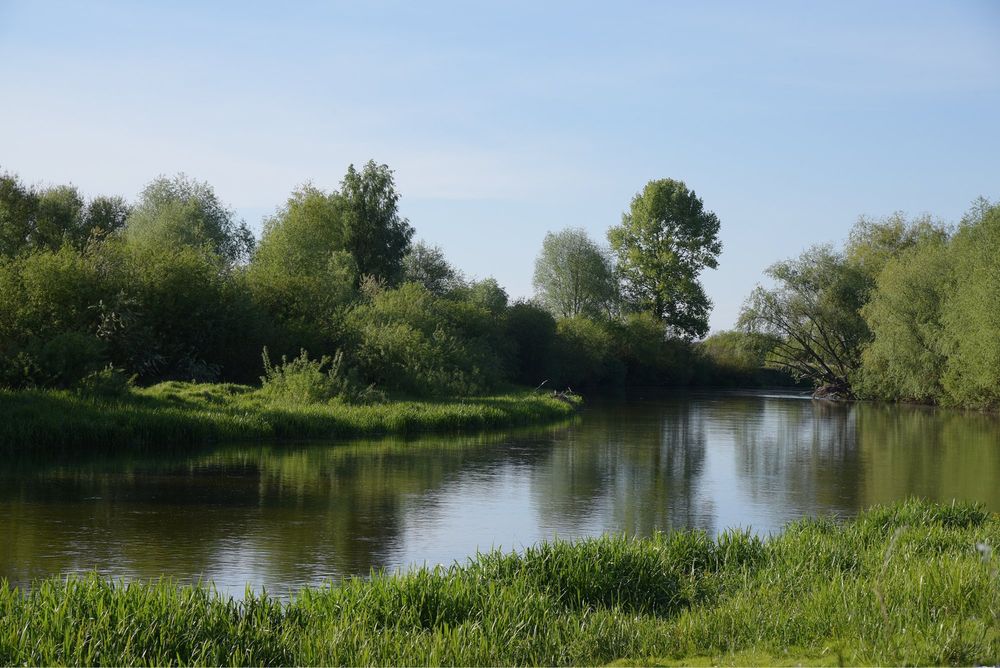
[[913, 583], [177, 415]]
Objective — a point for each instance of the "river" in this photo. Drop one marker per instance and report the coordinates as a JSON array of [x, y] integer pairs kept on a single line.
[[279, 516]]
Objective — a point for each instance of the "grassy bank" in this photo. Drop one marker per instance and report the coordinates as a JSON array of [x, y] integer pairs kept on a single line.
[[900, 585], [179, 414]]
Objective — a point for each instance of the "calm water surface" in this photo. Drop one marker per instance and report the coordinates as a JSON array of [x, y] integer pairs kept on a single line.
[[281, 516]]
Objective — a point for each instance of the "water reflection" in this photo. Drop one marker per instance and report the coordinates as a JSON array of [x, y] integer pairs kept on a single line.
[[280, 516]]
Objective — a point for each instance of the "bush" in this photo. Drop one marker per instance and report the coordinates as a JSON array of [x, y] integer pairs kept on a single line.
[[108, 382], [306, 381], [409, 340]]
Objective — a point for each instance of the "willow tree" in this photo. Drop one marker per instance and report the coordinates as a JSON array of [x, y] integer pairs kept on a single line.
[[574, 276], [813, 312]]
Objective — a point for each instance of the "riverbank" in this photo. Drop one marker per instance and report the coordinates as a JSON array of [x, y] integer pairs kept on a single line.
[[175, 415], [912, 583]]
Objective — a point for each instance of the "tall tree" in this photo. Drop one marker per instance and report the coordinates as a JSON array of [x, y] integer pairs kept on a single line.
[[574, 276], [665, 240], [374, 232], [181, 211], [300, 271]]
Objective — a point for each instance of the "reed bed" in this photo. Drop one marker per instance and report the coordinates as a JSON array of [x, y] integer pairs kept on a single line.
[[912, 583], [178, 415]]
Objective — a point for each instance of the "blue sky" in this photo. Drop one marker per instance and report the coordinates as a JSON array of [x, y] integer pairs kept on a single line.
[[508, 120]]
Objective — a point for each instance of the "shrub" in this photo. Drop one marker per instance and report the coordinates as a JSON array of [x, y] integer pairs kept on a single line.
[[108, 382], [309, 381], [408, 339]]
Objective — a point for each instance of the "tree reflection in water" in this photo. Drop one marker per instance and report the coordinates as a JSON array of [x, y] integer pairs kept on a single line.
[[281, 516]]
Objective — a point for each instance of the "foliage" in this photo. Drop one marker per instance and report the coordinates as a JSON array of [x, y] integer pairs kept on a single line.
[[813, 315], [913, 583], [908, 311], [585, 355], [302, 381], [574, 276], [409, 340], [374, 232], [108, 382], [739, 358], [873, 243], [174, 288], [33, 219], [48, 328], [906, 357], [531, 331], [187, 317], [647, 355], [427, 265], [301, 274], [933, 317], [663, 243], [180, 212], [970, 315]]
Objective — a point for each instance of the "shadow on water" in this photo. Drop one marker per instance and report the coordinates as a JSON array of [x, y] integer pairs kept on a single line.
[[280, 516]]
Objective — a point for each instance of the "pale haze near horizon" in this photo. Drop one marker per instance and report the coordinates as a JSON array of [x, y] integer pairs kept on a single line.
[[504, 122]]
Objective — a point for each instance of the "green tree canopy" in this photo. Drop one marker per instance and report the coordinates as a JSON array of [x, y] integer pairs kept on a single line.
[[906, 357], [814, 313], [374, 232], [180, 211], [574, 276], [300, 271], [663, 243], [34, 219], [970, 315], [427, 265], [814, 310]]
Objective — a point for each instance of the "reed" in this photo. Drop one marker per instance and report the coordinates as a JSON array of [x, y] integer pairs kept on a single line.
[[912, 583]]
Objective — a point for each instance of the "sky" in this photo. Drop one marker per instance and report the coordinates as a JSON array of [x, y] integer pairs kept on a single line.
[[507, 120]]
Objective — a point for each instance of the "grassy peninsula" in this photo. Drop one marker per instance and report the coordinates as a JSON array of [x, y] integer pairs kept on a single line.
[[912, 583], [178, 414]]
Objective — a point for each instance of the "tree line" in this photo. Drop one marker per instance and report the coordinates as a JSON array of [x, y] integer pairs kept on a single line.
[[174, 286], [906, 310]]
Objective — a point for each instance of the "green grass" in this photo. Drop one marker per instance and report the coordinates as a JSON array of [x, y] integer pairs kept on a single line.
[[903, 584], [176, 415]]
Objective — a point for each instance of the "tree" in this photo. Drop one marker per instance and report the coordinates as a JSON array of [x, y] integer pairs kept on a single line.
[[970, 314], [18, 204], [873, 243], [814, 314], [374, 232], [180, 211], [815, 309], [427, 265], [574, 276], [300, 271], [34, 219], [906, 357], [663, 243]]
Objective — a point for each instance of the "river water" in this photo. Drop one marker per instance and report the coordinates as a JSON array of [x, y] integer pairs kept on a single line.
[[279, 516]]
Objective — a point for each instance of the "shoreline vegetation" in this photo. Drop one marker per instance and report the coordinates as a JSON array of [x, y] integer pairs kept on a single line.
[[97, 294], [177, 414], [913, 583]]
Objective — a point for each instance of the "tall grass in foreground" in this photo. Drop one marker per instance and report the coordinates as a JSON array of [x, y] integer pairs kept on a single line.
[[904, 584], [178, 414]]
